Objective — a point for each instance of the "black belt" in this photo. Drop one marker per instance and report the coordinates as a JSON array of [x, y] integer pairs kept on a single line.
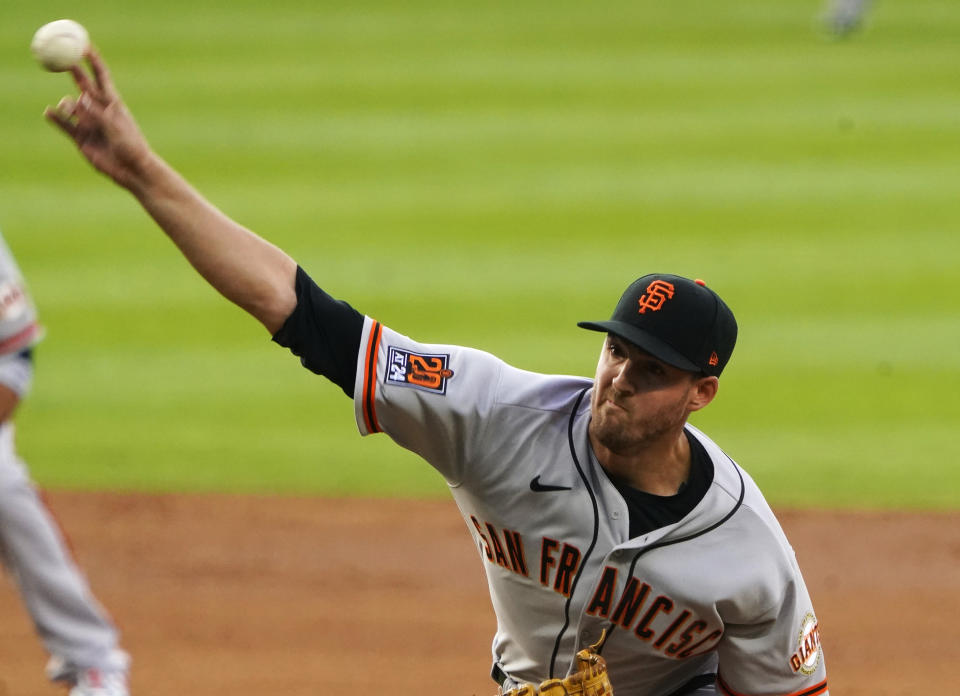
[[698, 681]]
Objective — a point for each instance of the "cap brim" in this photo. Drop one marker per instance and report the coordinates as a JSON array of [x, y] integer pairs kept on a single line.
[[643, 340]]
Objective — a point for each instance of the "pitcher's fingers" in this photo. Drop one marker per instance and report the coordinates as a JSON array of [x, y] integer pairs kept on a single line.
[[102, 74], [67, 106], [89, 110], [62, 122], [84, 83]]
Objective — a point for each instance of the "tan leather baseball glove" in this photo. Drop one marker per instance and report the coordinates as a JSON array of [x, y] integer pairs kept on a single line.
[[590, 679]]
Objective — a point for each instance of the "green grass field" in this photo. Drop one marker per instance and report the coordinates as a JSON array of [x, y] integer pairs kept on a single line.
[[489, 173]]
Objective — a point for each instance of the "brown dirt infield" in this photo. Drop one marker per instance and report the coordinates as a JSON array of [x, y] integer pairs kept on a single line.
[[265, 595]]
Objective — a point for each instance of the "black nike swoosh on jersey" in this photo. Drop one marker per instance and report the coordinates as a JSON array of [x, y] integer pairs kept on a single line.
[[538, 487]]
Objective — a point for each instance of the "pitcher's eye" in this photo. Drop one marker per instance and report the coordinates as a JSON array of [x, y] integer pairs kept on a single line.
[[654, 368]]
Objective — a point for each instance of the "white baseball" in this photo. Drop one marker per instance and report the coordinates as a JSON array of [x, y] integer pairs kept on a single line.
[[60, 45]]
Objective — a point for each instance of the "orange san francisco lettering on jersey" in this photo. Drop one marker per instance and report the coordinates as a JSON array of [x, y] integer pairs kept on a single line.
[[560, 563], [658, 292], [670, 628], [509, 553]]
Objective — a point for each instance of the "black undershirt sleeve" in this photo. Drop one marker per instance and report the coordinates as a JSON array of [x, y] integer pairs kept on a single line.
[[324, 333]]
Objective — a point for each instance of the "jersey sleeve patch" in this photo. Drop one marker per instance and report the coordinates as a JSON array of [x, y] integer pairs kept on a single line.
[[807, 657], [424, 371]]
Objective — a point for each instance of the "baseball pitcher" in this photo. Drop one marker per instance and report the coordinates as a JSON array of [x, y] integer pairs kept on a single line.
[[624, 550]]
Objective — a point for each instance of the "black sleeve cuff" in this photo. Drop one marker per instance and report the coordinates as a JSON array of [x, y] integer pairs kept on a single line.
[[324, 333]]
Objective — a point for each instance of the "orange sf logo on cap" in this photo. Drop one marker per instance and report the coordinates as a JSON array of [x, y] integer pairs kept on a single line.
[[658, 292]]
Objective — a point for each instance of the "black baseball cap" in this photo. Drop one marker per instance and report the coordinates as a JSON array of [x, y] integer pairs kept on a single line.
[[680, 321]]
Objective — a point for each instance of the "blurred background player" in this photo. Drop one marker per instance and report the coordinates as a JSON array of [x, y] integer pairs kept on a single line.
[[74, 628], [843, 17]]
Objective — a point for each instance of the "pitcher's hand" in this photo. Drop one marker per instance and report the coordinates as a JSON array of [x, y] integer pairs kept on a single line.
[[101, 126]]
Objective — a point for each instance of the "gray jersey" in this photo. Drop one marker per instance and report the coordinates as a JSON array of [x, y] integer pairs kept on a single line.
[[718, 592]]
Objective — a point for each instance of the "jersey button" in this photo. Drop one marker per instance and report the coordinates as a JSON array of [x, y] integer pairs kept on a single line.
[[615, 514]]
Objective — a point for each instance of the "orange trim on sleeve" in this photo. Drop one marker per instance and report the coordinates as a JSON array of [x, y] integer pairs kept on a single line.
[[370, 379], [814, 690]]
